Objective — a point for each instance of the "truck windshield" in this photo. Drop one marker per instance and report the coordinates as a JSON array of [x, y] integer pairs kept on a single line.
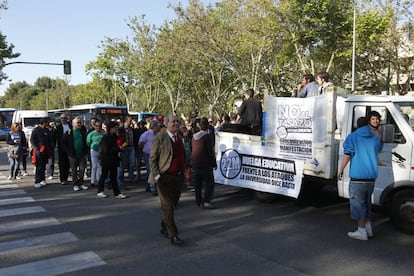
[[407, 111]]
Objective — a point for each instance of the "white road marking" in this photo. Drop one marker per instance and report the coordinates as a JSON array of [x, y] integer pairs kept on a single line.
[[12, 192], [27, 224], [55, 266], [36, 242], [21, 211], [16, 200]]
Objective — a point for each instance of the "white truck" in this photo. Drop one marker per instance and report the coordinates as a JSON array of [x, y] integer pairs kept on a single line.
[[302, 139]]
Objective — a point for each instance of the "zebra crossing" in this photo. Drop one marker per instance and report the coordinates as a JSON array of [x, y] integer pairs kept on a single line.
[[11, 223]]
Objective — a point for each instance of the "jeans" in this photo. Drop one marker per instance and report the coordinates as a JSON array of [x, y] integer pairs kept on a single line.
[[149, 186], [77, 166], [50, 165], [96, 168], [360, 199], [120, 173], [14, 167], [138, 158], [129, 157]]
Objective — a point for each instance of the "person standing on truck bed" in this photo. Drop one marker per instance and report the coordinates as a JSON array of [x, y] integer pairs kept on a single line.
[[361, 147], [250, 113], [310, 87], [323, 80]]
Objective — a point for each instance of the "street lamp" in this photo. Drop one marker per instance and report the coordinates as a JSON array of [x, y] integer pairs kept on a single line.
[[353, 48]]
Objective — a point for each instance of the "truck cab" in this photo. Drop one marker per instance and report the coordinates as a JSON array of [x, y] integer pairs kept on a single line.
[[394, 186], [303, 138]]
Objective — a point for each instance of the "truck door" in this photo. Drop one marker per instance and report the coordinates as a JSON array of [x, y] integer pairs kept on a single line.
[[395, 158]]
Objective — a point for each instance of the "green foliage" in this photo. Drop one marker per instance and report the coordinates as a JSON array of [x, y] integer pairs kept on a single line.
[[6, 49], [6, 52], [206, 57]]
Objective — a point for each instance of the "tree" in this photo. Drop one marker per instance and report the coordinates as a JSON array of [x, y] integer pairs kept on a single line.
[[11, 95], [6, 49]]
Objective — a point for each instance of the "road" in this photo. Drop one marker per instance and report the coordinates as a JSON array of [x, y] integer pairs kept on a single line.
[[54, 230]]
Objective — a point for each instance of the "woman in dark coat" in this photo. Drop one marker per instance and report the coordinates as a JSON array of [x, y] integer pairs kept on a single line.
[[108, 154]]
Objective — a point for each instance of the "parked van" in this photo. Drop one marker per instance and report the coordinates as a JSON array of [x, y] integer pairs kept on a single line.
[[29, 119]]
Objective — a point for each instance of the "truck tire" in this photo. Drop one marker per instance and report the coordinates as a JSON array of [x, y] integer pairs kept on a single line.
[[265, 197], [402, 211]]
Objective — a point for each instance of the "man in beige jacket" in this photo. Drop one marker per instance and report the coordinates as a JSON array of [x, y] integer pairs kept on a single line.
[[167, 162]]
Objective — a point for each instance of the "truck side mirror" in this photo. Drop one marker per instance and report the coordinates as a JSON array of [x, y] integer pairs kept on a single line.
[[387, 133]]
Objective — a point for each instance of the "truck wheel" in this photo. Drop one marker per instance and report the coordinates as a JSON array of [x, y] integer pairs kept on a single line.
[[402, 211], [265, 197]]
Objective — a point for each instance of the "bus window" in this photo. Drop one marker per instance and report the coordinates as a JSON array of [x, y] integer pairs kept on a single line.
[[6, 117]]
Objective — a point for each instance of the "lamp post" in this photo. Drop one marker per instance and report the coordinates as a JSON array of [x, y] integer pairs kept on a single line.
[[353, 48]]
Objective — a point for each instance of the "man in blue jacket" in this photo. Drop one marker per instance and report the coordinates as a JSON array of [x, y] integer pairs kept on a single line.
[[361, 147]]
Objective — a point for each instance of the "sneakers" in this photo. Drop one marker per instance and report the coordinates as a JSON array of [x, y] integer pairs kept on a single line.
[[84, 187], [208, 205], [18, 177], [120, 196], [101, 195], [9, 178], [76, 188], [25, 173], [368, 227], [37, 185], [50, 177], [43, 183], [64, 182], [359, 234]]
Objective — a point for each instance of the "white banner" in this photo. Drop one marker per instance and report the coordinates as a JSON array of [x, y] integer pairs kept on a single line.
[[289, 124], [255, 167]]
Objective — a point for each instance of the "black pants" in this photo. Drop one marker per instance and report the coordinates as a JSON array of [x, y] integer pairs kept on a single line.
[[202, 178], [41, 161], [113, 171], [63, 165]]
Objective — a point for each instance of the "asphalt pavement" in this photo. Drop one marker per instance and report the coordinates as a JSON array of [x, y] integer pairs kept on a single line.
[[56, 231]]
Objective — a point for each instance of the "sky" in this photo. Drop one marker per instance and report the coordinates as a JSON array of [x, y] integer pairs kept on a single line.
[[55, 30]]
